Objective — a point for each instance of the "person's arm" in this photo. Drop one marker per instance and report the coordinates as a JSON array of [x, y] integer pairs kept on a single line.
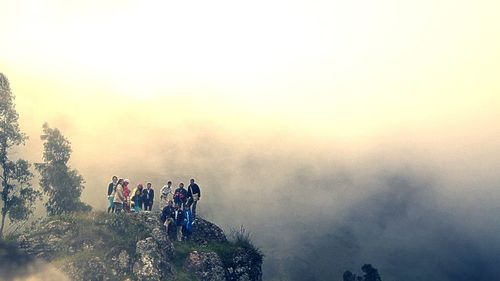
[[199, 192]]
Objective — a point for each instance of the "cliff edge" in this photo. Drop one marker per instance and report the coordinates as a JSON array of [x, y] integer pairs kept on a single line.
[[99, 246]]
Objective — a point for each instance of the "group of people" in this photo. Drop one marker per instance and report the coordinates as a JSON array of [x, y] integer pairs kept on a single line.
[[178, 213]]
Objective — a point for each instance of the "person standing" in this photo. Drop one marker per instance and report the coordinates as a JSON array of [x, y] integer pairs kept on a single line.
[[119, 197], [194, 193], [188, 222], [180, 195], [148, 197], [166, 192], [137, 201], [178, 217], [126, 194], [111, 194], [139, 188]]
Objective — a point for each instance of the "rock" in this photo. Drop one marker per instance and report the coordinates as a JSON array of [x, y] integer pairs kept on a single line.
[[147, 266], [205, 232], [245, 265], [164, 243], [48, 242], [151, 262], [124, 260], [94, 269], [207, 266]]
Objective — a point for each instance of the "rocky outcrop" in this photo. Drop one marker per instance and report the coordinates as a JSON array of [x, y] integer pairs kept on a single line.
[[207, 266], [205, 232], [99, 246]]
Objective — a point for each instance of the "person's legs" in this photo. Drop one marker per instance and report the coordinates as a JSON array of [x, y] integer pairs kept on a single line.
[[193, 208], [118, 207], [110, 203], [179, 233]]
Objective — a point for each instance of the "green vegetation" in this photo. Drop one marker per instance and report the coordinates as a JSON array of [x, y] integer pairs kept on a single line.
[[17, 194], [59, 182]]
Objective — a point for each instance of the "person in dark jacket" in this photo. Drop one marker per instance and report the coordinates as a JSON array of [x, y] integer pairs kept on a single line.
[[148, 197], [178, 218], [180, 195], [194, 193], [111, 194], [166, 215]]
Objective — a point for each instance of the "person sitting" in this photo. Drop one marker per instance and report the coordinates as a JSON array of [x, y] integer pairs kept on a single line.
[[178, 218], [180, 195], [137, 201], [166, 216]]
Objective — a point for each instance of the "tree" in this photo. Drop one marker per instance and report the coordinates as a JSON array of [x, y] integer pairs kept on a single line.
[[62, 184], [370, 274], [18, 196]]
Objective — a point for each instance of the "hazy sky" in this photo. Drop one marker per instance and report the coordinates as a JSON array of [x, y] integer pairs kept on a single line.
[[247, 95]]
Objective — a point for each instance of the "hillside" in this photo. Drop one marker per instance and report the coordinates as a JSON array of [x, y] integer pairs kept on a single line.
[[99, 246]]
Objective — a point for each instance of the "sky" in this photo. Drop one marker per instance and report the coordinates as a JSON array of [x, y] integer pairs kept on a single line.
[[246, 96]]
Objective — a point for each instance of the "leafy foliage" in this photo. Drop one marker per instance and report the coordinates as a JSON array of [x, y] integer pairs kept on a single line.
[[62, 184], [370, 274], [18, 196]]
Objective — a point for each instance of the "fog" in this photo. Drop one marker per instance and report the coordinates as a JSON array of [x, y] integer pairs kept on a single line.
[[414, 211]]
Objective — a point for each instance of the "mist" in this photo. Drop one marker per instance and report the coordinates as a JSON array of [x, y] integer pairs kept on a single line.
[[416, 212]]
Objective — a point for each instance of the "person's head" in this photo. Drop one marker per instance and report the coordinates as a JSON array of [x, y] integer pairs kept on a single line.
[[170, 203], [114, 179], [181, 185], [169, 183], [138, 192], [140, 187], [126, 182], [120, 181], [149, 185], [191, 181]]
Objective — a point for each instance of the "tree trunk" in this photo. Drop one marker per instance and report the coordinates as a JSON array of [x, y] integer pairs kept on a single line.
[[1, 227]]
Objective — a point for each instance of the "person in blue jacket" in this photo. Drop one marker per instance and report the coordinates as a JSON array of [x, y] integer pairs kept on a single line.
[[137, 200], [188, 222]]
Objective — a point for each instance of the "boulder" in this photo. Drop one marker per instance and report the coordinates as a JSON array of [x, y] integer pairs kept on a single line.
[[207, 266]]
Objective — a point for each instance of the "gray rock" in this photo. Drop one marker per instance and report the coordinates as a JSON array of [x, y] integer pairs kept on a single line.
[[94, 269], [147, 265], [207, 266], [205, 232], [124, 260]]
